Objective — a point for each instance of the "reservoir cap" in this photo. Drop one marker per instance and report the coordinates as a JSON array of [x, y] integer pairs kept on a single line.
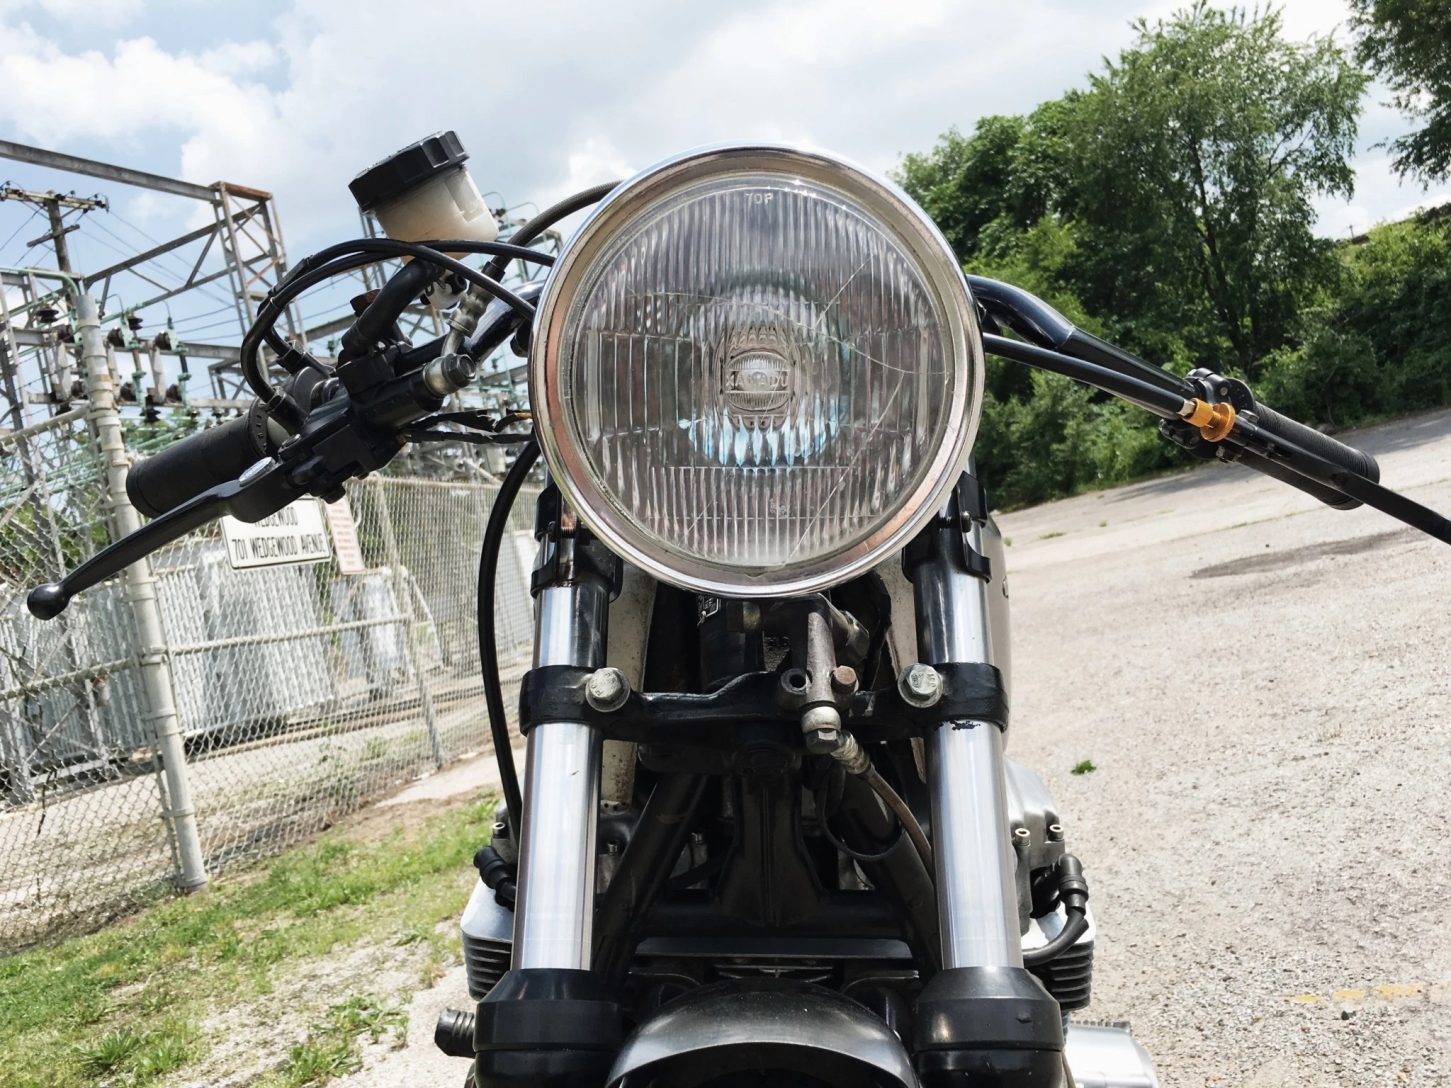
[[407, 169]]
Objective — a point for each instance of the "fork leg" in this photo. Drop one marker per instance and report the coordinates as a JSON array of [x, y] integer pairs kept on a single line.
[[983, 1019], [550, 1020], [977, 901], [554, 916]]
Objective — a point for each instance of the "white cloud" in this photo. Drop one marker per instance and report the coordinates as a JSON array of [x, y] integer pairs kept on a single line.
[[62, 98], [595, 161], [1380, 196]]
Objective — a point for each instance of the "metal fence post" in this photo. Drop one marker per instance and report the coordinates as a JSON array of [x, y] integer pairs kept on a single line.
[[156, 679], [410, 618]]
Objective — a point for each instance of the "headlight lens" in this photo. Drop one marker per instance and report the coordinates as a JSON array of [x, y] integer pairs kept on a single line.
[[756, 371]]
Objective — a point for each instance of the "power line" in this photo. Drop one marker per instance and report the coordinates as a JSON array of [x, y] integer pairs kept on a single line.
[[228, 308], [180, 264], [179, 276], [33, 213]]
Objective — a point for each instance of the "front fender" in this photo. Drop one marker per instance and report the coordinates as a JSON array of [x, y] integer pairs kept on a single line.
[[763, 1025]]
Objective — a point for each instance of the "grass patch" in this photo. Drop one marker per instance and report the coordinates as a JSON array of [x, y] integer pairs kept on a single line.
[[126, 1006], [1052, 536], [127, 1055], [1084, 766], [331, 1047]]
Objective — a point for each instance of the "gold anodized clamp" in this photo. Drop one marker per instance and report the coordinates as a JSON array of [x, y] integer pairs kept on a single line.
[[1214, 421]]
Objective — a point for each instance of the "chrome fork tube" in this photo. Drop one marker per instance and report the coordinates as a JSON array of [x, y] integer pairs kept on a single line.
[[977, 902], [554, 914]]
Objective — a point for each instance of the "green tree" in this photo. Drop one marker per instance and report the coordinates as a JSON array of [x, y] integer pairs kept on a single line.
[[1167, 206], [1198, 153], [984, 187], [1184, 175], [1408, 44], [1378, 345]]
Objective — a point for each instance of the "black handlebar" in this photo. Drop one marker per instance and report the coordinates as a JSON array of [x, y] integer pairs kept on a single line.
[[1273, 425], [1040, 324], [201, 461], [345, 427], [1283, 448], [353, 424]]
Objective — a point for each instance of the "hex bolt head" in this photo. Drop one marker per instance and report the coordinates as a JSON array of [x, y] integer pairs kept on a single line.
[[822, 742], [844, 679], [920, 685], [460, 369], [607, 689]]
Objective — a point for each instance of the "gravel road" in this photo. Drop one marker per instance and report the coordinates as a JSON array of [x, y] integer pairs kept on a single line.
[[1262, 685]]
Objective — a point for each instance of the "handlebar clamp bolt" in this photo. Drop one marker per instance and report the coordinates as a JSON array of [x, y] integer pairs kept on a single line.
[[920, 686], [607, 690]]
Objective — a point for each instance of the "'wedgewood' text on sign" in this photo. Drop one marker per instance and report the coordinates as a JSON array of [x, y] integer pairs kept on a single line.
[[295, 534]]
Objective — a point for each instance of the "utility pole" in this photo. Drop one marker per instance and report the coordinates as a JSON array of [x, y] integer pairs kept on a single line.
[[140, 583], [55, 205]]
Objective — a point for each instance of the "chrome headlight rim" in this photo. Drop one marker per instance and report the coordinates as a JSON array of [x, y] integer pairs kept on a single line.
[[635, 197]]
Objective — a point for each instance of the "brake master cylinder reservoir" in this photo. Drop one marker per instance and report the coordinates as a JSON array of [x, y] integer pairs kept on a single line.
[[424, 193]]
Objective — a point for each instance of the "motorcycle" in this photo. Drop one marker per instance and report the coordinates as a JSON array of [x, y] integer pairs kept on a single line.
[[767, 833]]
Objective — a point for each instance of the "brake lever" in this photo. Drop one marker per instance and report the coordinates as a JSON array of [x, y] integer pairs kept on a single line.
[[259, 492]]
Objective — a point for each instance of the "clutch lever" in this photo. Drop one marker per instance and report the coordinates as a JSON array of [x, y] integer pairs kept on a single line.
[[354, 428], [259, 492]]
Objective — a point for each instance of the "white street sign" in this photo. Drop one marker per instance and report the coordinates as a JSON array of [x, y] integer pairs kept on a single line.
[[295, 534]]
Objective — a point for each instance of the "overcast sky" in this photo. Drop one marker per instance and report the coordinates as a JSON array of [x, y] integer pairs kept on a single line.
[[297, 96]]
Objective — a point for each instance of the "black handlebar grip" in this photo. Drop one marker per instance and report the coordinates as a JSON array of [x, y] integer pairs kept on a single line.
[[201, 461], [1278, 470], [1272, 424]]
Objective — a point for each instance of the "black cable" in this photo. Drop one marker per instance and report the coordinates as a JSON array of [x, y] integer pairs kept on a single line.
[[1162, 402], [479, 418], [347, 256], [488, 648], [271, 309], [1072, 890], [437, 252], [546, 219], [1312, 466], [274, 341]]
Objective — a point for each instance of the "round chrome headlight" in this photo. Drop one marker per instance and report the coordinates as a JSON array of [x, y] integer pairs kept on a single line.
[[756, 371]]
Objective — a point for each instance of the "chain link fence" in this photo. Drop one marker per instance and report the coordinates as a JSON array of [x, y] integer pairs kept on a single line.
[[301, 691]]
